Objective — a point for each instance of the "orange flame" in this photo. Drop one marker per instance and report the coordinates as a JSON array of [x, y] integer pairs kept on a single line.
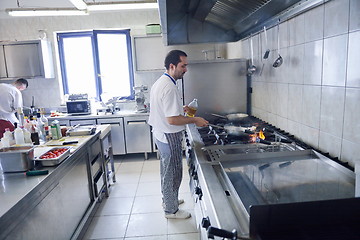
[[261, 135]]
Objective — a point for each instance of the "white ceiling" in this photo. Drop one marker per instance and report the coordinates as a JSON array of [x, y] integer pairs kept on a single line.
[[4, 4]]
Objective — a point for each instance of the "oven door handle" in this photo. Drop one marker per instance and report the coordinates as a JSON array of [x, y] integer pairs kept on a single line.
[[213, 231]]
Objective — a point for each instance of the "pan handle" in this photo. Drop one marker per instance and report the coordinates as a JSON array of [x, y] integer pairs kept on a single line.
[[217, 115], [216, 126]]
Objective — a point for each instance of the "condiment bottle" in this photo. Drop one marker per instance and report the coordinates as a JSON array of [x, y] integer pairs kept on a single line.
[[193, 106], [19, 136]]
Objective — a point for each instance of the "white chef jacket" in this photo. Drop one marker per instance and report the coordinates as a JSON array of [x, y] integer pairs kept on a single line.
[[10, 101], [165, 101]]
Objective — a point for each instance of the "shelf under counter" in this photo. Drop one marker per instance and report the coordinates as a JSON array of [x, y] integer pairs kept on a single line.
[[26, 201]]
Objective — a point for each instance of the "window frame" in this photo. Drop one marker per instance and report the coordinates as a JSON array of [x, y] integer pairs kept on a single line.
[[96, 64]]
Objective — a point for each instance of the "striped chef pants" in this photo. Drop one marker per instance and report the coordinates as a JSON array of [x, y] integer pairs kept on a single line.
[[170, 170]]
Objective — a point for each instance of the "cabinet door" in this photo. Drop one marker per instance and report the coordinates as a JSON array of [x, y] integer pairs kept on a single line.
[[137, 135], [3, 73], [23, 60], [117, 134]]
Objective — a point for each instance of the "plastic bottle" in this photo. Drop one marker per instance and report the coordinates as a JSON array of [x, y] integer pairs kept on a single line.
[[27, 136], [46, 132], [8, 134], [193, 106], [41, 127], [19, 136], [20, 116], [7, 138]]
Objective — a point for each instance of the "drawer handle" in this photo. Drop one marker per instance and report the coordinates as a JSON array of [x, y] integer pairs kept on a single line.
[[136, 122]]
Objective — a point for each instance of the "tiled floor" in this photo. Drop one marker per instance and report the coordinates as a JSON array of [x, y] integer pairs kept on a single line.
[[133, 210]]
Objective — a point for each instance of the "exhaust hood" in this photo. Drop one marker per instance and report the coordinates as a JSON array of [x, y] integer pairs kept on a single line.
[[202, 21]]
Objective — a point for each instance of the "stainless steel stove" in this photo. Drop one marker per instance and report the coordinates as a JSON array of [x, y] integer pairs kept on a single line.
[[252, 190]]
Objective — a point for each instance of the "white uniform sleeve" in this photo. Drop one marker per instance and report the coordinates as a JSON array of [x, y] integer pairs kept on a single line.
[[18, 101]]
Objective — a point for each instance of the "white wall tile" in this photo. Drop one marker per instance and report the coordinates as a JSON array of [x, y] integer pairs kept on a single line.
[[330, 144], [354, 15], [353, 69], [283, 93], [296, 30], [332, 110], [335, 58], [352, 115], [309, 135], [350, 152], [295, 102], [313, 61], [336, 17], [314, 24], [296, 64], [311, 106]]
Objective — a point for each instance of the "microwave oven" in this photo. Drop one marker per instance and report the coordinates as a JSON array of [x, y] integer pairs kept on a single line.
[[78, 107]]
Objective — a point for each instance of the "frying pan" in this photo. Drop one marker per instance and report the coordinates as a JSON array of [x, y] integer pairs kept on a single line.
[[232, 116], [236, 130]]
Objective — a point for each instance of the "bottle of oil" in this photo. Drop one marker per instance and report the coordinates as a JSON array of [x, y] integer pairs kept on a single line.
[[193, 106]]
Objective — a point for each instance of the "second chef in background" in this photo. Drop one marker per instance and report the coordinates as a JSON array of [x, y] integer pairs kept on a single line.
[[168, 122]]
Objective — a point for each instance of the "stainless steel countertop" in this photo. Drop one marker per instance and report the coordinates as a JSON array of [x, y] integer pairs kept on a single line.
[[125, 113], [14, 187]]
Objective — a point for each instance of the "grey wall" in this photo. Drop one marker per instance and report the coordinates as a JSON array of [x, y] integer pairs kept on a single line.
[[47, 91], [315, 94]]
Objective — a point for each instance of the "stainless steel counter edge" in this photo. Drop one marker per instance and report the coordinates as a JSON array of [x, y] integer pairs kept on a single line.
[[24, 193], [94, 115]]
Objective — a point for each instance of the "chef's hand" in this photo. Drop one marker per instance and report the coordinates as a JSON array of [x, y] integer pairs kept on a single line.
[[200, 122]]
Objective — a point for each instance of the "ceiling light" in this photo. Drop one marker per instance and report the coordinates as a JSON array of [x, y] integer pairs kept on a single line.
[[31, 12], [79, 4], [121, 6]]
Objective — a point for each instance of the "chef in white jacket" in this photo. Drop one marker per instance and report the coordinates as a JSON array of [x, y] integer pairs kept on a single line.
[[11, 99]]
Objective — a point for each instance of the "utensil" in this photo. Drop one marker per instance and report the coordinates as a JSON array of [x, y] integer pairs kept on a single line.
[[267, 52], [279, 60], [232, 116], [252, 67]]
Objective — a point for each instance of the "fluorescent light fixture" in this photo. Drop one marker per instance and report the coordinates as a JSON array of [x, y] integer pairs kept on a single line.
[[79, 4], [121, 6], [32, 12]]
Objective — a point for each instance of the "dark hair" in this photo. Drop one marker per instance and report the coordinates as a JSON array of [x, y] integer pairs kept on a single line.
[[21, 81], [173, 57]]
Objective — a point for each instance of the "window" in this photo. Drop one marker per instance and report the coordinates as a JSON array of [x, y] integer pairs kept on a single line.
[[97, 62]]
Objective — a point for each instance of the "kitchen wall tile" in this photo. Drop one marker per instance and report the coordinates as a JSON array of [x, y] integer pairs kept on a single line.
[[295, 102], [332, 110], [272, 118], [294, 128], [313, 61], [283, 93], [272, 37], [309, 135], [354, 15], [336, 19], [284, 34], [311, 106], [352, 115], [273, 100], [330, 144], [296, 64], [353, 69], [283, 73], [334, 63], [282, 123], [350, 152], [296, 30], [314, 24]]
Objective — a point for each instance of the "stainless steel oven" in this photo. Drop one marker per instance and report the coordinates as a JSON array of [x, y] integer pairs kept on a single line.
[[277, 191]]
